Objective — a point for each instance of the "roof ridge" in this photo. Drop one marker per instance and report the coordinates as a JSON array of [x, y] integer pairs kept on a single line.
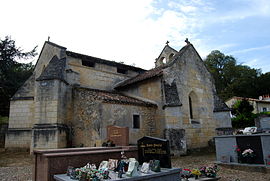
[[54, 44], [143, 76], [70, 53], [117, 97]]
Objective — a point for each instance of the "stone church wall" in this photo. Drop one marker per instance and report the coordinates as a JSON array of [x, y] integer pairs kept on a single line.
[[99, 77], [21, 113], [122, 115], [193, 80], [92, 116]]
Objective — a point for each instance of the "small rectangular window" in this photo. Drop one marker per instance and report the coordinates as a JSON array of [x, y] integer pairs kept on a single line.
[[136, 121], [88, 63], [264, 109], [121, 71]]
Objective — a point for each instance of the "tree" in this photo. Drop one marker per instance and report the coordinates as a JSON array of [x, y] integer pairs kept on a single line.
[[12, 73], [230, 78], [242, 110], [263, 84]]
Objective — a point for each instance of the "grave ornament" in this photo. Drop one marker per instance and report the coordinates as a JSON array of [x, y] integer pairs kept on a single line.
[[103, 165], [154, 165], [145, 168], [132, 169], [112, 164]]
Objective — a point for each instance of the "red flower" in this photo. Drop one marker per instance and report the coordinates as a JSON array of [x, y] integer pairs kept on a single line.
[[238, 150], [268, 163], [187, 170]]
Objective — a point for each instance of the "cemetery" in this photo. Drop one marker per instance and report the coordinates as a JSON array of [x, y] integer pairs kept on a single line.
[[149, 160]]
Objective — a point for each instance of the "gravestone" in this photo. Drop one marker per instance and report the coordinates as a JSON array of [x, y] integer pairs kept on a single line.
[[151, 148], [263, 122], [119, 135]]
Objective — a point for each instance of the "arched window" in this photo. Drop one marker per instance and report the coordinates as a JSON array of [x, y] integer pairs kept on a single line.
[[190, 107], [193, 107], [171, 56], [162, 60]]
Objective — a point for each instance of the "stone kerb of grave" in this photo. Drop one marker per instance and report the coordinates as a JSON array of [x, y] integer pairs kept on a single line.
[[151, 148]]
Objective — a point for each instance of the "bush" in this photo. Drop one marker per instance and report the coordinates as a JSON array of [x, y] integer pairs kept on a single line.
[[3, 120]]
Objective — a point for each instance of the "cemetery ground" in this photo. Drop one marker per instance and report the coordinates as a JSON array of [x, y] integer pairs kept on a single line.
[[17, 166]]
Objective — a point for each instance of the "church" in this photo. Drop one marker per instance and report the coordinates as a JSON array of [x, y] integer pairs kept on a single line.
[[71, 99]]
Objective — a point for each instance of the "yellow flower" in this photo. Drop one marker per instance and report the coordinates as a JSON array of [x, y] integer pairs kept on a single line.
[[196, 172]]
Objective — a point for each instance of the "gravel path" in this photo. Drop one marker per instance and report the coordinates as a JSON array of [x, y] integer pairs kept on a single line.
[[16, 173]]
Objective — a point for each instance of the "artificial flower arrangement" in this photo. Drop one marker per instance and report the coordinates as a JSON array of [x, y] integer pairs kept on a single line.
[[248, 153], [246, 156], [205, 171], [196, 173], [88, 173], [209, 171]]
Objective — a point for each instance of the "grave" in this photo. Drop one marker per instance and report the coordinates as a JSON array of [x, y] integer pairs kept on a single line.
[[226, 148], [263, 122], [165, 175], [151, 148], [119, 135], [56, 161]]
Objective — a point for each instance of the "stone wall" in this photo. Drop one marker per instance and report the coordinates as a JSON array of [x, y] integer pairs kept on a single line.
[[21, 113], [192, 80], [150, 90], [122, 115], [223, 119], [18, 138], [100, 77], [49, 50], [3, 132], [91, 118]]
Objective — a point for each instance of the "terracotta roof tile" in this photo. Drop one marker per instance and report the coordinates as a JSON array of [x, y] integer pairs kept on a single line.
[[146, 75], [116, 97]]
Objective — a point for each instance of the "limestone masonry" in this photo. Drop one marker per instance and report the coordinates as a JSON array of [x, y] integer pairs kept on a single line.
[[71, 98]]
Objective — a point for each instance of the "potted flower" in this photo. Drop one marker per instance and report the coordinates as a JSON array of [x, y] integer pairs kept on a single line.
[[196, 173], [185, 174], [239, 154], [209, 171], [248, 156]]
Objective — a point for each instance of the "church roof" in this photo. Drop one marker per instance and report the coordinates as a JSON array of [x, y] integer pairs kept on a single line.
[[116, 97], [102, 61], [54, 70], [146, 75], [150, 73]]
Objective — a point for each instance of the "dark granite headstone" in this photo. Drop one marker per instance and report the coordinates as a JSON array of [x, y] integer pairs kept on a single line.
[[151, 148], [254, 143]]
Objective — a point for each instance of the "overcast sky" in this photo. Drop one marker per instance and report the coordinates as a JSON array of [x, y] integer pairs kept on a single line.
[[136, 31]]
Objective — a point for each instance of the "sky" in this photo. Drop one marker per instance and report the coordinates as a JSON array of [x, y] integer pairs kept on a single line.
[[135, 31]]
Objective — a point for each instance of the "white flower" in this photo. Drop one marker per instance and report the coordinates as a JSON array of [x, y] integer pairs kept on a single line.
[[247, 151]]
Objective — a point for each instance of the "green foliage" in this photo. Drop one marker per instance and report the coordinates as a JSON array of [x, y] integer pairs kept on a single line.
[[232, 79], [242, 110], [12, 73], [3, 120]]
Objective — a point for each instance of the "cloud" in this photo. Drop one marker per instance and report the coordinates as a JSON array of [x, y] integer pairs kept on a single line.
[[250, 49]]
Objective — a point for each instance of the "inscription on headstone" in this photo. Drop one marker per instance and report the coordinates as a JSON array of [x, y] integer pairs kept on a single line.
[[151, 148], [119, 135]]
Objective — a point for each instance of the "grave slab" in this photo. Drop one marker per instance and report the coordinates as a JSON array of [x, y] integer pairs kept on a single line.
[[165, 175]]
